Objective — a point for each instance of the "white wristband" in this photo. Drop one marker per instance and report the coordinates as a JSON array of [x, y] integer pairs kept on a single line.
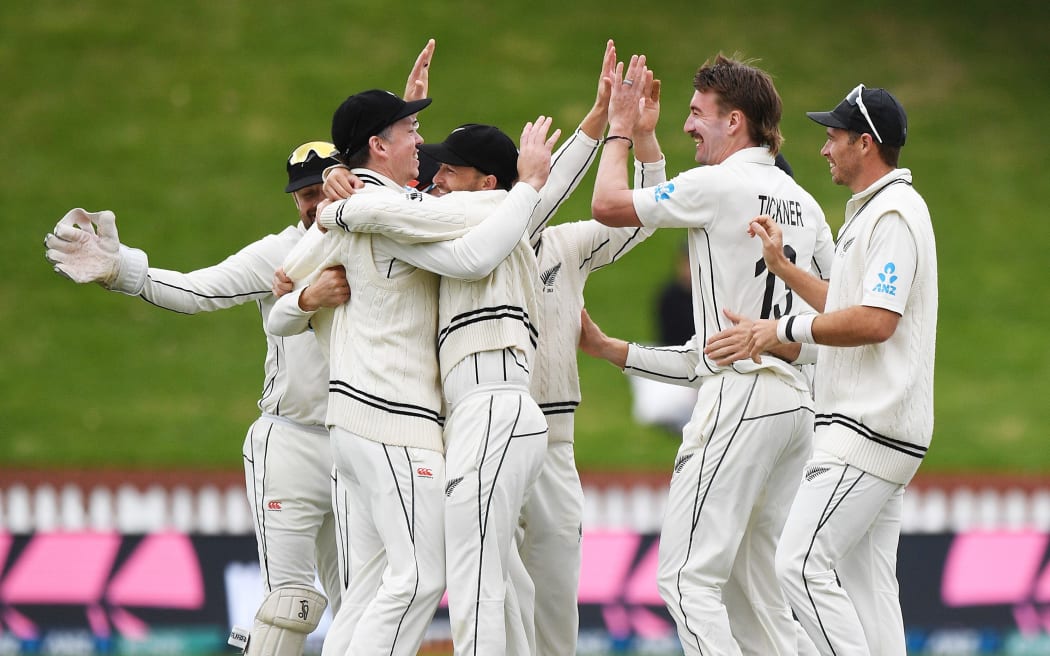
[[796, 328]]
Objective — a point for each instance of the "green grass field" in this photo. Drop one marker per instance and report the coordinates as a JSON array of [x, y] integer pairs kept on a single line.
[[178, 116]]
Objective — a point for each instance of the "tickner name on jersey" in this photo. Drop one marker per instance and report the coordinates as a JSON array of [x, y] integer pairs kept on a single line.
[[786, 212]]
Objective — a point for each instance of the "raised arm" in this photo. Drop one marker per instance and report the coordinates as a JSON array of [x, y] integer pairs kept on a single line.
[[85, 247], [574, 158], [418, 84], [612, 202], [477, 253]]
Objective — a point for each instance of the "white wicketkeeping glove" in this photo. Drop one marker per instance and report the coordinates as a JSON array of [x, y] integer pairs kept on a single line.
[[84, 247]]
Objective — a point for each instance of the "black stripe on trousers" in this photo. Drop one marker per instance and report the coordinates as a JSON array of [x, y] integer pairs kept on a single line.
[[260, 505], [410, 522], [342, 524], [698, 501], [483, 512], [824, 518]]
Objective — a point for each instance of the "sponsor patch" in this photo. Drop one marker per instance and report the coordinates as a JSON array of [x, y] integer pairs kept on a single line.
[[273, 505], [887, 280], [424, 472], [663, 191]]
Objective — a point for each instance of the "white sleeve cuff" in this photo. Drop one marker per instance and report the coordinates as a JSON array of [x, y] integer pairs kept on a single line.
[[132, 267], [807, 354], [582, 136]]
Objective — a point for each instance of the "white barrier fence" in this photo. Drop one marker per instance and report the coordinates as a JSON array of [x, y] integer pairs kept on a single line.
[[223, 509]]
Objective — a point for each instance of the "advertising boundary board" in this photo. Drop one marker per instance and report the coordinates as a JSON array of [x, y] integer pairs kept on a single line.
[[169, 592]]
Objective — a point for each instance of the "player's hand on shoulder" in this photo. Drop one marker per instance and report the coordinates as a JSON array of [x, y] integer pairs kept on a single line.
[[340, 183]]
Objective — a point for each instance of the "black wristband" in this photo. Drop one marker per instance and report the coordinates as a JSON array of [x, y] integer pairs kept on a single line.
[[630, 141]]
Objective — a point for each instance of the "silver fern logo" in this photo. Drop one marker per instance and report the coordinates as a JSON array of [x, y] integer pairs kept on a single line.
[[548, 277], [452, 486]]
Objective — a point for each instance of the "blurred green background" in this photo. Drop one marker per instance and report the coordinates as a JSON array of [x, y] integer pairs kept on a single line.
[[178, 116]]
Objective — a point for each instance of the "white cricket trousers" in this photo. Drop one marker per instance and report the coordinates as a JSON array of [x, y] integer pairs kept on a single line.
[[734, 478], [837, 559], [549, 543], [495, 441], [394, 524], [288, 475]]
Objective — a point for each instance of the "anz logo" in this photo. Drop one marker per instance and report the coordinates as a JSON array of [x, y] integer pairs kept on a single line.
[[886, 280], [663, 191]]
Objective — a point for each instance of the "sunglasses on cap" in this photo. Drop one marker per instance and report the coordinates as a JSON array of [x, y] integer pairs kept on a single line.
[[310, 151], [856, 98]]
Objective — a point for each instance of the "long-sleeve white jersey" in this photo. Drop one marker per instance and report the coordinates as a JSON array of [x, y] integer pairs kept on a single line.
[[296, 370], [384, 375], [567, 254]]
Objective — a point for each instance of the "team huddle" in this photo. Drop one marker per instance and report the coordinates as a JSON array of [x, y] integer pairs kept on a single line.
[[422, 319]]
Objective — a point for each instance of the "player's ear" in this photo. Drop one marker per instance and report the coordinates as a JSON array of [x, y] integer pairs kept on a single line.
[[489, 182], [376, 144], [736, 120]]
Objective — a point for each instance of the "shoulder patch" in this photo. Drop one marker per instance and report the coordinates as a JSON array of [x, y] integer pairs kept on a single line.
[[663, 191], [887, 280]]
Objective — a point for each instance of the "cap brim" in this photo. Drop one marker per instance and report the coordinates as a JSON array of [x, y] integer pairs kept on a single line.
[[828, 119], [296, 185], [442, 153], [411, 107]]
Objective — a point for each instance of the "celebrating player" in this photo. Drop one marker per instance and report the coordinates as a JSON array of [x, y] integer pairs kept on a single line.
[[287, 459], [742, 451], [385, 393], [874, 403]]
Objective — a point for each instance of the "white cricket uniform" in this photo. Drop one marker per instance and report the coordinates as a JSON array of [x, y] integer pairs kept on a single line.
[[495, 440], [676, 365], [749, 436], [287, 459], [385, 404], [837, 557], [552, 518]]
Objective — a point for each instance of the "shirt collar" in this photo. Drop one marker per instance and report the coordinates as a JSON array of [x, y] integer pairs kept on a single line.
[[368, 176], [895, 174], [752, 155]]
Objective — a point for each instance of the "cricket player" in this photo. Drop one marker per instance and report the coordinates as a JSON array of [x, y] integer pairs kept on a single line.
[[486, 325], [555, 523], [567, 254], [495, 433], [287, 458], [743, 449], [385, 395], [877, 334]]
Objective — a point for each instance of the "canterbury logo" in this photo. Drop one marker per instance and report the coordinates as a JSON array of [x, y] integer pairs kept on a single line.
[[425, 472], [273, 505], [816, 471], [452, 485], [548, 276], [680, 463]]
